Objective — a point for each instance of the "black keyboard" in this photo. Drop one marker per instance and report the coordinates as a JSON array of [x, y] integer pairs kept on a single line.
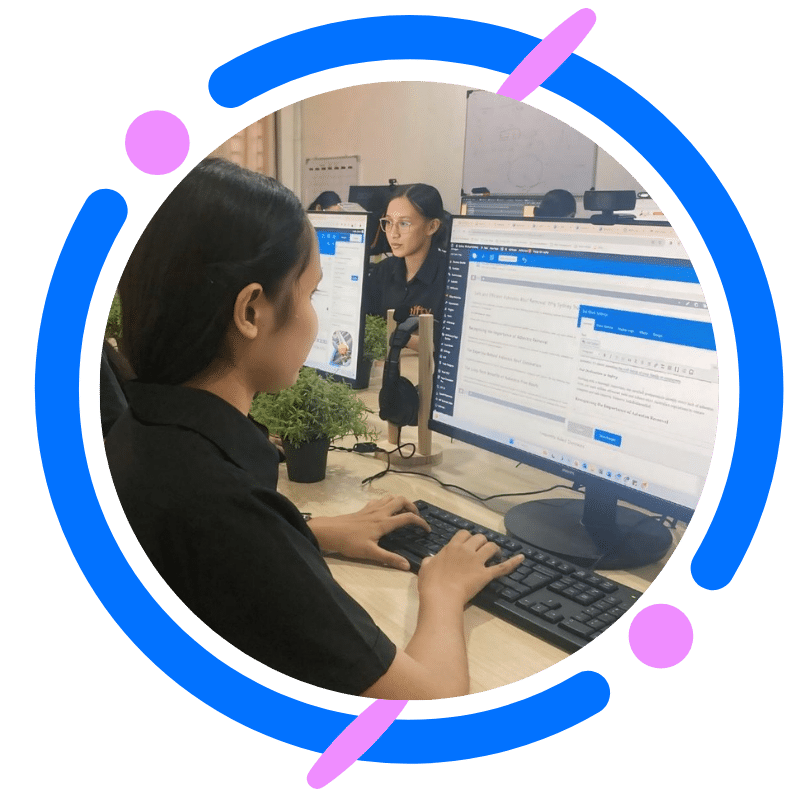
[[546, 596]]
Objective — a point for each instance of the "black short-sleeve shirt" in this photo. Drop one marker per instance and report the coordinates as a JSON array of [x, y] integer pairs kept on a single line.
[[386, 286], [197, 481]]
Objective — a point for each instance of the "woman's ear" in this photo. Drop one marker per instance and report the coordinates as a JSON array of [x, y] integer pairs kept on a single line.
[[433, 226], [250, 310]]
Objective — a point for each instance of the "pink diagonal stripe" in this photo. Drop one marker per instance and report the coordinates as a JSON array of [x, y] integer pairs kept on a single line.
[[548, 55], [354, 741]]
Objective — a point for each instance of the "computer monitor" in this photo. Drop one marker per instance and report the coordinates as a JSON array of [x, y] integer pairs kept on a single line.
[[343, 246], [500, 205], [586, 351]]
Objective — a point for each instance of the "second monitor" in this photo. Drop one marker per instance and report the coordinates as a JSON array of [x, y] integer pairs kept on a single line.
[[343, 246]]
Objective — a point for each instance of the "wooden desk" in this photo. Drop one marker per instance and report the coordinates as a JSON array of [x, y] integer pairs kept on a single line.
[[499, 653]]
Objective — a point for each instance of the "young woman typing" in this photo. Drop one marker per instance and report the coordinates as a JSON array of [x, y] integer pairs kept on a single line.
[[216, 303]]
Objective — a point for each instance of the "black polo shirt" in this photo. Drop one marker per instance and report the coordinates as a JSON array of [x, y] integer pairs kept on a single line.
[[386, 286], [197, 481]]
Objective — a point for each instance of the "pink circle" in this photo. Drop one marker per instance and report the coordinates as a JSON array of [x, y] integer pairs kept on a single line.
[[661, 636], [157, 142]]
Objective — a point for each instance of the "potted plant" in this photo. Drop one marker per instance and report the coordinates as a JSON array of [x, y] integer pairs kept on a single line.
[[308, 416], [375, 345]]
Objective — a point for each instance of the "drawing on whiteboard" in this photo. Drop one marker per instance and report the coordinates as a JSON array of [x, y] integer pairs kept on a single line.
[[525, 173]]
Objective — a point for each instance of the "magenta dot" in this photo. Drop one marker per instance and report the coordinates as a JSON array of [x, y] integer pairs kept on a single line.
[[157, 142], [661, 636]]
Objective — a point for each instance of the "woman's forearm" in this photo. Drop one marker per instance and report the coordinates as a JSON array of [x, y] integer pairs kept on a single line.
[[439, 645]]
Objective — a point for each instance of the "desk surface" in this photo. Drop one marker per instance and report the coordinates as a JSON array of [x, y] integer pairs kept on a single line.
[[499, 653]]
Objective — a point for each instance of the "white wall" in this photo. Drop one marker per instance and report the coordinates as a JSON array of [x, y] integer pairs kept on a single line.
[[413, 132], [410, 131]]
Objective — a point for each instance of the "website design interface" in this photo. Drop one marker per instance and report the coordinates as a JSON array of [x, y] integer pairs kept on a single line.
[[589, 346], [337, 301]]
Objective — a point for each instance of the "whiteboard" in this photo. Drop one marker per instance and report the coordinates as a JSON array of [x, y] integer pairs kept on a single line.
[[330, 174], [511, 148]]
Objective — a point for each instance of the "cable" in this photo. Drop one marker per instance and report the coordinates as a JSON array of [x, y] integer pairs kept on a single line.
[[389, 453], [462, 489]]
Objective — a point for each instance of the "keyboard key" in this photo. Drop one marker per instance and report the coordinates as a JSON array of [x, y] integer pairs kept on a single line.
[[536, 581], [418, 548], [578, 628], [510, 583]]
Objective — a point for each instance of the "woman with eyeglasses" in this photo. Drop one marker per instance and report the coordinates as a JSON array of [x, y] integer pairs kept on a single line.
[[417, 230]]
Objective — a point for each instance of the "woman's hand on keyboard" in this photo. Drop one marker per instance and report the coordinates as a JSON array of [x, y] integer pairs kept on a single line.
[[459, 569], [356, 535]]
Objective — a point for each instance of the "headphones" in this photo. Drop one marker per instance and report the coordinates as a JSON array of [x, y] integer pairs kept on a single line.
[[398, 401]]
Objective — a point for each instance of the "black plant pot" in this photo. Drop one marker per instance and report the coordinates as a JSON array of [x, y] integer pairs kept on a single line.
[[306, 463], [363, 372]]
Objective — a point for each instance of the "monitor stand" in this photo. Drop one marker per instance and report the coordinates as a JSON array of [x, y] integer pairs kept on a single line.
[[591, 530]]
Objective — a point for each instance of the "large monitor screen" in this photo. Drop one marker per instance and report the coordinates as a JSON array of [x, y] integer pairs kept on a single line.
[[587, 351], [343, 241]]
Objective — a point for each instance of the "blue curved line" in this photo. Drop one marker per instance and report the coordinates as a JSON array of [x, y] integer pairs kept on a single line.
[[458, 41], [673, 156], [755, 324], [526, 721], [138, 614]]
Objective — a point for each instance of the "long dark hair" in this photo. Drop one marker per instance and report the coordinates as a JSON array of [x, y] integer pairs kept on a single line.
[[221, 228], [325, 200], [427, 200]]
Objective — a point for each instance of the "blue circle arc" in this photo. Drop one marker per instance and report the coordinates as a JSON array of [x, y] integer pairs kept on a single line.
[[668, 151], [146, 623], [407, 741]]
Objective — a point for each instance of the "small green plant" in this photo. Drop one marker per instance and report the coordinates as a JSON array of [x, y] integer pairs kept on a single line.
[[375, 346], [114, 322], [314, 408]]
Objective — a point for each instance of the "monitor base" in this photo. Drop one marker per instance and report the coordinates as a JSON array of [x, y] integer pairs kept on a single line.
[[557, 527]]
